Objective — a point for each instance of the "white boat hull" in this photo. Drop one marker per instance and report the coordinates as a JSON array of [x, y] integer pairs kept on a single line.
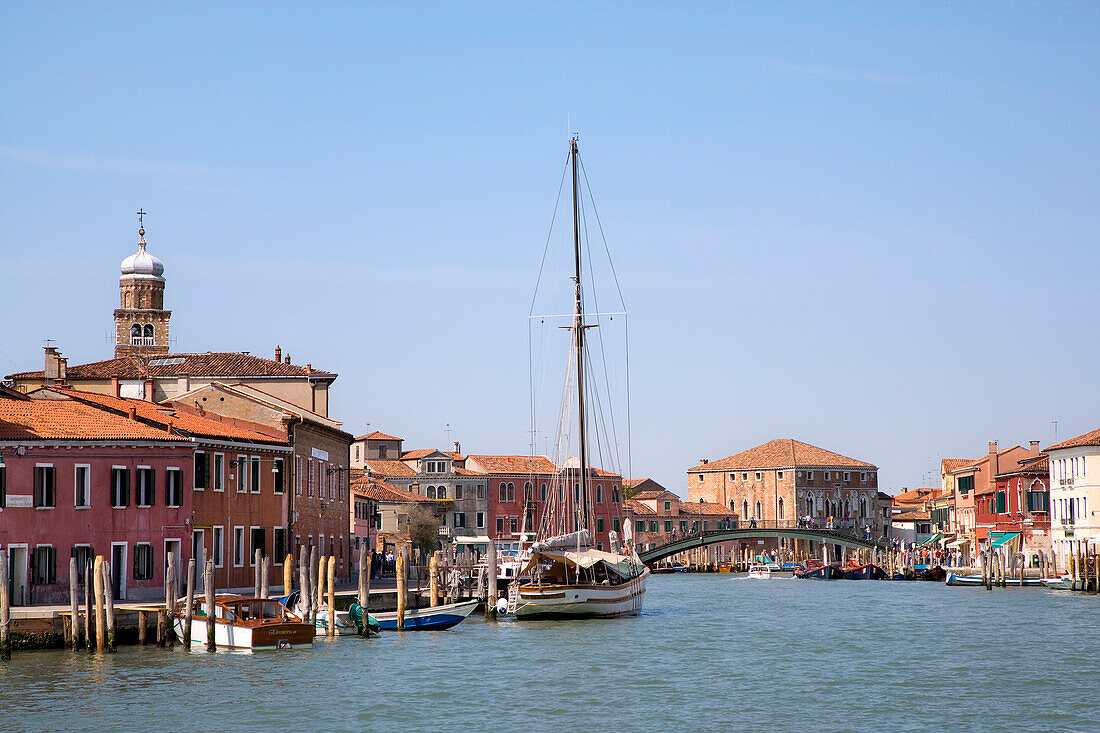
[[582, 601]]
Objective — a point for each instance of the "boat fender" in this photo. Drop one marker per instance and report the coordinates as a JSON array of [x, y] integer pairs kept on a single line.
[[502, 606]]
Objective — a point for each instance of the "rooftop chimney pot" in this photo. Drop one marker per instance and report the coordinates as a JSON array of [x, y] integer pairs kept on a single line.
[[278, 353]]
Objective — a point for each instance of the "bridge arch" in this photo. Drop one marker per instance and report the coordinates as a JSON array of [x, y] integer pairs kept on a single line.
[[715, 536]]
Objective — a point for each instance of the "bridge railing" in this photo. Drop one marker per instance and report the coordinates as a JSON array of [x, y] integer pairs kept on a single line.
[[857, 530]]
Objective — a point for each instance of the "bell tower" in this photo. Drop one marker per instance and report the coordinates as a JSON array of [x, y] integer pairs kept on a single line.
[[141, 323]]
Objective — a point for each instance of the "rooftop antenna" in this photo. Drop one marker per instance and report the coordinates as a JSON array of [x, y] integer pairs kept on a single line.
[[1055, 424], [48, 342]]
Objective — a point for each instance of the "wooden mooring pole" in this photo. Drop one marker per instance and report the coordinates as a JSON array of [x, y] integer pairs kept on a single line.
[[171, 586], [109, 602], [313, 585], [208, 586], [265, 573], [89, 604], [303, 586], [257, 568], [288, 574], [189, 603], [364, 583], [332, 595], [433, 577], [100, 618], [401, 589], [5, 607], [74, 603], [491, 572]]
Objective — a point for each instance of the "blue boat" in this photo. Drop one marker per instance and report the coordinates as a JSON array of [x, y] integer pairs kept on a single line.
[[818, 571], [865, 572], [423, 619]]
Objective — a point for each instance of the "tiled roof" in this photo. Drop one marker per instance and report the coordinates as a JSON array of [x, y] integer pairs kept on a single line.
[[519, 465], [1030, 467], [630, 483], [203, 364], [916, 496], [639, 508], [784, 453], [377, 435], [411, 455], [704, 507], [1090, 438], [71, 420], [373, 488], [389, 468], [950, 464], [654, 494], [915, 516], [977, 463], [286, 406], [182, 421]]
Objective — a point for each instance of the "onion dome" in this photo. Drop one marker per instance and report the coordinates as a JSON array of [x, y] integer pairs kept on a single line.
[[141, 263]]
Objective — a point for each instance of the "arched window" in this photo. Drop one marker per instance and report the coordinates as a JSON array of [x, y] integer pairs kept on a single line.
[[863, 507], [430, 492], [544, 492], [148, 334], [758, 515], [599, 493], [847, 509], [135, 335], [733, 506], [614, 494], [809, 503], [527, 491], [441, 493], [779, 510], [744, 509], [577, 493]]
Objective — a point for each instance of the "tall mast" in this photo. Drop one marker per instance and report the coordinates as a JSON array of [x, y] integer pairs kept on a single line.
[[578, 341]]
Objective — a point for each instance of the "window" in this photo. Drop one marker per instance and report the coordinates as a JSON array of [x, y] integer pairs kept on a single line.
[[242, 473], [744, 508], [3, 487], [862, 476], [279, 546], [255, 542], [357, 451], [528, 489], [733, 477], [826, 475], [683, 525], [312, 477], [120, 486], [758, 474], [599, 495], [500, 525], [83, 554], [965, 484], [599, 524], [779, 514], [507, 492], [298, 475], [146, 486], [218, 540], [779, 475], [430, 492], [173, 487], [668, 525], [135, 335], [148, 334], [442, 492], [460, 519], [279, 476], [809, 475], [542, 495], [1000, 502], [758, 514], [701, 478], [219, 472], [1036, 501], [200, 470], [238, 547], [44, 565], [653, 526], [458, 492], [745, 476], [847, 476], [615, 525], [143, 561], [512, 524], [44, 486], [480, 519], [614, 494], [82, 486], [254, 475]]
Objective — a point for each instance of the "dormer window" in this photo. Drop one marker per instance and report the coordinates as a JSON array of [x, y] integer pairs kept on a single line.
[[435, 466]]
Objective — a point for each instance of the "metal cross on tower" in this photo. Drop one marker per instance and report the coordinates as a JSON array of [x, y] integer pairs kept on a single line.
[[141, 217]]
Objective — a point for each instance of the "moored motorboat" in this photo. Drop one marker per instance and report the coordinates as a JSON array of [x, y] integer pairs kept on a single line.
[[423, 619], [243, 622], [760, 570], [344, 626], [976, 579], [1062, 582], [815, 570], [867, 571]]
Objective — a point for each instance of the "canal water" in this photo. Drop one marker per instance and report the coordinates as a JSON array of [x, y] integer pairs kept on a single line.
[[710, 653]]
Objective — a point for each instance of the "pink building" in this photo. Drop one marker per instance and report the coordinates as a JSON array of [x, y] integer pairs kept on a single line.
[[77, 481]]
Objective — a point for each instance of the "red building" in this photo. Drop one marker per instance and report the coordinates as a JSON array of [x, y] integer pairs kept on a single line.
[[1016, 514], [76, 481]]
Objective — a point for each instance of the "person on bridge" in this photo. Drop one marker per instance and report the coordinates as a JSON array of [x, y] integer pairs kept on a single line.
[[752, 522]]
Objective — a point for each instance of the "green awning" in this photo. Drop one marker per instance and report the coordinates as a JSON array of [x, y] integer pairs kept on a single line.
[[931, 540], [1004, 538]]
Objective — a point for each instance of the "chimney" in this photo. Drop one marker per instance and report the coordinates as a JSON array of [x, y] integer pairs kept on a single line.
[[704, 461], [309, 368], [114, 386], [458, 447], [53, 365], [183, 384], [149, 390], [278, 353], [1034, 447], [62, 366], [286, 359], [132, 413], [994, 469]]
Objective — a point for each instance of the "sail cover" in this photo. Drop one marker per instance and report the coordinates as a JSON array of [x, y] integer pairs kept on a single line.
[[563, 541], [624, 565]]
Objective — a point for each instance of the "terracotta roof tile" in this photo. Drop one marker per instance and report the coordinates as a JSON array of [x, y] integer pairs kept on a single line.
[[630, 483], [1086, 439], [1030, 467], [71, 420], [655, 494], [950, 464], [783, 453], [411, 455], [705, 507], [389, 468], [639, 509], [915, 516], [377, 435], [162, 415], [204, 364], [374, 488], [519, 465]]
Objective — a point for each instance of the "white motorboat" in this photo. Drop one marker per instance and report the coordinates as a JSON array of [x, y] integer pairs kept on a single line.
[[1062, 582], [760, 570]]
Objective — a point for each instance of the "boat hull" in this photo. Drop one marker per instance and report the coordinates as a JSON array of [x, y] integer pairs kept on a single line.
[[582, 601], [865, 572], [425, 619], [256, 638], [972, 580], [822, 572]]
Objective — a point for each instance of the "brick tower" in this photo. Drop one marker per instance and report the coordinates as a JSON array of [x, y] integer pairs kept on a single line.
[[141, 323]]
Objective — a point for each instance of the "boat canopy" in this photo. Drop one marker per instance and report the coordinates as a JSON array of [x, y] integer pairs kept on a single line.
[[996, 540], [564, 541], [959, 542], [625, 565]]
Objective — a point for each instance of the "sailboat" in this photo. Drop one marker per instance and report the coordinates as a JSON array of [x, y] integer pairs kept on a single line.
[[569, 577]]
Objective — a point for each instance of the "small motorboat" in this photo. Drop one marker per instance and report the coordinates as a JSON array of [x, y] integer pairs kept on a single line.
[[243, 622], [760, 570], [345, 625], [935, 574], [867, 571], [1062, 582], [816, 570], [976, 579], [435, 617]]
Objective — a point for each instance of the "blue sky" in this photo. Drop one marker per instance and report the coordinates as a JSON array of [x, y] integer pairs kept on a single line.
[[871, 227]]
